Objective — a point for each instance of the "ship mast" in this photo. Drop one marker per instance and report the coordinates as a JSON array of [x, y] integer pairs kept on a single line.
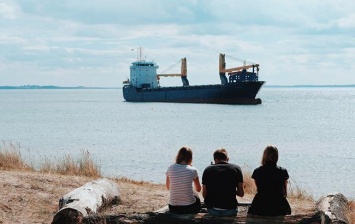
[[139, 54]]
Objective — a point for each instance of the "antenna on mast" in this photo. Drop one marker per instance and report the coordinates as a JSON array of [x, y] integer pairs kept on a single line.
[[140, 54], [140, 50]]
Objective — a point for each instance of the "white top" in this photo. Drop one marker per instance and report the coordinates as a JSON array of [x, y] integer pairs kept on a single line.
[[181, 189]]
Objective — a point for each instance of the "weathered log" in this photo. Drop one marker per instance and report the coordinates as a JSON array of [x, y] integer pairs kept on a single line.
[[164, 216], [332, 208], [86, 200]]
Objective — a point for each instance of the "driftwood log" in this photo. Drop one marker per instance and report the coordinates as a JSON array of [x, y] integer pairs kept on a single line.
[[332, 208], [86, 200]]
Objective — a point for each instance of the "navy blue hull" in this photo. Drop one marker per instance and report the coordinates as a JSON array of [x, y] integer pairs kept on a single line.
[[230, 93]]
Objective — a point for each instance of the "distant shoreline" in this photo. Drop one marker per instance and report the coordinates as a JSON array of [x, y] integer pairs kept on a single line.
[[83, 87], [54, 87], [308, 86]]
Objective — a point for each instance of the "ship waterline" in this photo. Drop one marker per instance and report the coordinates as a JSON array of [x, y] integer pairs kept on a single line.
[[232, 93]]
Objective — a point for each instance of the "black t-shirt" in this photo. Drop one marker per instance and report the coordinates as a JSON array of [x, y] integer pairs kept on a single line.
[[270, 180], [270, 199], [221, 181]]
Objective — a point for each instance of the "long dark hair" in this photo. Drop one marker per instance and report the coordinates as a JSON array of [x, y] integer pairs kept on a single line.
[[184, 155], [271, 154]]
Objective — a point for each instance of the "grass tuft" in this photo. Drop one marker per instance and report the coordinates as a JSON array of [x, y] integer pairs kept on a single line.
[[11, 159], [83, 166], [249, 184], [350, 213], [296, 192], [128, 180]]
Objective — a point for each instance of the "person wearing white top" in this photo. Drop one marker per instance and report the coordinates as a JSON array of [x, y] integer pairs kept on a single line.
[[179, 179]]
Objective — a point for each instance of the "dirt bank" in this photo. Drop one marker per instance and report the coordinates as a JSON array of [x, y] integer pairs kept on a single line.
[[32, 197]]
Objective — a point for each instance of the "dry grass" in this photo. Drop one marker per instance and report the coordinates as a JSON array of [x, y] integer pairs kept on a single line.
[[293, 190], [351, 212], [249, 184], [11, 159], [83, 166], [296, 192]]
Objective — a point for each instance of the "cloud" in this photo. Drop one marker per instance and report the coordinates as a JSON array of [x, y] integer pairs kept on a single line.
[[296, 42], [347, 22], [9, 10]]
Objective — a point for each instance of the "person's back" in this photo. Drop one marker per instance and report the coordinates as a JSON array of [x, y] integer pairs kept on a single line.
[[221, 182], [271, 183], [270, 180], [179, 179]]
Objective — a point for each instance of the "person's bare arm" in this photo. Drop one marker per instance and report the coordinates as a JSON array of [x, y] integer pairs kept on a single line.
[[197, 184], [167, 182], [240, 189]]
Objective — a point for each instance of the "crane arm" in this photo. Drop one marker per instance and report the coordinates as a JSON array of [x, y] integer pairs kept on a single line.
[[183, 70], [239, 68], [167, 75]]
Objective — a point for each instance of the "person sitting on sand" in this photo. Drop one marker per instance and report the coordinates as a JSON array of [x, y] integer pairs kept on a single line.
[[271, 183], [221, 183], [179, 179]]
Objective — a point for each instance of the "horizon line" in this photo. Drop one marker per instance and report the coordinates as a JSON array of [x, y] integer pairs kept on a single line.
[[96, 87]]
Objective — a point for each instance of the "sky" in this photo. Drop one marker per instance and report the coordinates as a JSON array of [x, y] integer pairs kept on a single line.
[[93, 43]]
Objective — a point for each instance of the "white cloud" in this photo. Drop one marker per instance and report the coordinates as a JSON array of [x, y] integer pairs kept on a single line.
[[9, 10], [347, 22], [302, 42]]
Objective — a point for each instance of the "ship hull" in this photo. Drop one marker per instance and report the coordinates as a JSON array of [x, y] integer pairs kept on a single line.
[[230, 93]]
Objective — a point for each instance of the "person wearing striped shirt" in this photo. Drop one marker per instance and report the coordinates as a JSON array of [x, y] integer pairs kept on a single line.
[[180, 177]]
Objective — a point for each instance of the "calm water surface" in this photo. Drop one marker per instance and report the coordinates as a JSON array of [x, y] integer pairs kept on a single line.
[[313, 128]]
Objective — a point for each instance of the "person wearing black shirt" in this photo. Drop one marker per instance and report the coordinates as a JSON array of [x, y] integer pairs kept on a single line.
[[271, 182], [221, 183]]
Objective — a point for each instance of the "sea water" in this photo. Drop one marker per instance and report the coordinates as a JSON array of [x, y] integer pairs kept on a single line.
[[313, 128]]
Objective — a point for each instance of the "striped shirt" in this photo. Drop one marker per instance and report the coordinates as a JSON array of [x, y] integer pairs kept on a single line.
[[181, 190]]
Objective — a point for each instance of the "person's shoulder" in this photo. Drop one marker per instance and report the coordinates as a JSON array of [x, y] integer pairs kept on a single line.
[[209, 167], [258, 168], [235, 166], [281, 168], [191, 167], [170, 168], [258, 171]]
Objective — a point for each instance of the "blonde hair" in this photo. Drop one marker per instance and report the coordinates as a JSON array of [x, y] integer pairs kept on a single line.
[[271, 154], [184, 155]]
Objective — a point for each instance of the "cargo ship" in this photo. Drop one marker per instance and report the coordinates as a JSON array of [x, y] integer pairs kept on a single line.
[[241, 86]]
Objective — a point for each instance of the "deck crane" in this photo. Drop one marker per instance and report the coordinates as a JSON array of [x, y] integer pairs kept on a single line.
[[183, 73], [236, 72]]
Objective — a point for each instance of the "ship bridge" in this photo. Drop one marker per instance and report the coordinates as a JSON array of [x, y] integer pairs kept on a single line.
[[143, 74]]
